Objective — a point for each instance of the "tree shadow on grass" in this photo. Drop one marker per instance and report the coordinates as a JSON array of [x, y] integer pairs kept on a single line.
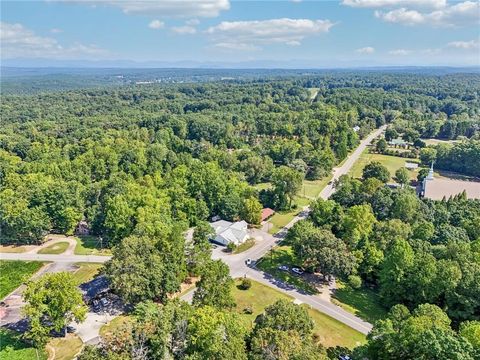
[[363, 302]]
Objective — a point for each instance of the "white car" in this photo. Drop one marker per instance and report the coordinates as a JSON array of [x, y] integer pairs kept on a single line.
[[298, 271], [248, 261], [283, 267]]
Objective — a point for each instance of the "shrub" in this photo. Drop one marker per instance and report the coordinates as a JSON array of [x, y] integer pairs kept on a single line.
[[355, 281], [231, 247], [248, 310], [245, 284]]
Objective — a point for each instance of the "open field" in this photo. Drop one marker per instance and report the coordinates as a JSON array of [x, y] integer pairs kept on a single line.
[[57, 248], [12, 347], [86, 272], [64, 348], [14, 273], [364, 303], [283, 255], [330, 331], [89, 245], [439, 141], [392, 163]]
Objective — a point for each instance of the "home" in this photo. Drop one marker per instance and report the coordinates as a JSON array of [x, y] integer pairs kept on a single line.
[[227, 232]]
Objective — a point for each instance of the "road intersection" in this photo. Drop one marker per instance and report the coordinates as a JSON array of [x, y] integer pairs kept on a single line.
[[265, 243]]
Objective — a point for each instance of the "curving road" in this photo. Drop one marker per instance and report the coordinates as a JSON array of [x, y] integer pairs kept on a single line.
[[238, 268], [236, 263]]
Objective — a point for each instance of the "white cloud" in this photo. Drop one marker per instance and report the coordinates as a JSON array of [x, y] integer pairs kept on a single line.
[[156, 24], [163, 8], [435, 4], [262, 32], [192, 22], [56, 31], [402, 15], [18, 41], [400, 52], [235, 47], [184, 30], [365, 50], [465, 45], [464, 13]]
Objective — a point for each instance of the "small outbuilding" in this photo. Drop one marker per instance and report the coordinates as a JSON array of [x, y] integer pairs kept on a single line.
[[267, 213]]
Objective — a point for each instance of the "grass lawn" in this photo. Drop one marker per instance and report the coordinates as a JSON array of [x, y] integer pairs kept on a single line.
[[392, 163], [65, 348], [57, 248], [330, 331], [13, 348], [89, 245], [283, 255], [12, 249], [282, 218], [14, 273], [113, 325], [245, 246], [312, 188], [363, 302], [86, 272]]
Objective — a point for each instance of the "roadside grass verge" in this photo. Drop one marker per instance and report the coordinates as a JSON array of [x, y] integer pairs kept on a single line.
[[12, 249], [86, 272], [65, 348], [90, 245], [12, 347], [244, 246], [283, 255], [364, 303], [313, 188], [330, 331], [57, 248], [14, 273]]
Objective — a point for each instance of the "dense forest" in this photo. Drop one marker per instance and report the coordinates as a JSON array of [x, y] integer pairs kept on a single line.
[[421, 255], [129, 157], [140, 164]]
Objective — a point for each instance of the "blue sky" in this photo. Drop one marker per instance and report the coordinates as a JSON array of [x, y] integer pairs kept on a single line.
[[305, 33]]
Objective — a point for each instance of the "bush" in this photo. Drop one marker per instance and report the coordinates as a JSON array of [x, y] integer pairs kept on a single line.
[[355, 281], [231, 247], [245, 284], [248, 310]]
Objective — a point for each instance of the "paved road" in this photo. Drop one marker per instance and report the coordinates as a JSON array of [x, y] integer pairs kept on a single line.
[[236, 263], [55, 258], [265, 242]]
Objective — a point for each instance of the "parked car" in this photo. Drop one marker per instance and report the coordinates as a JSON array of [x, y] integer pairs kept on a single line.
[[283, 268], [248, 261], [298, 271]]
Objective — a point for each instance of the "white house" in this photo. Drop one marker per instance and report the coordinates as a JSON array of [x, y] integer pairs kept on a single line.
[[227, 232]]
